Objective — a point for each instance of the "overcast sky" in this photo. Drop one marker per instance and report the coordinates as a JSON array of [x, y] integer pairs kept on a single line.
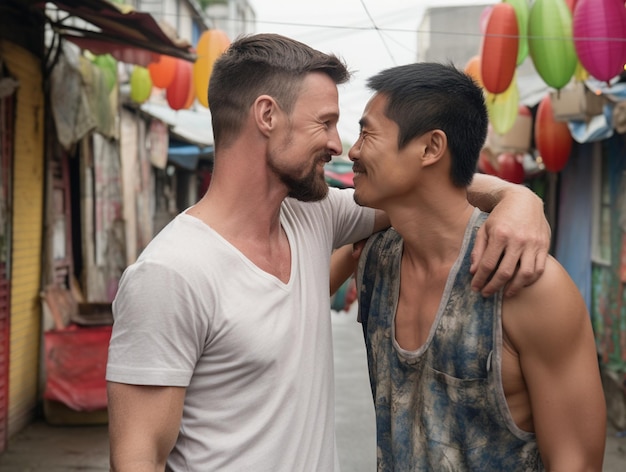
[[369, 34]]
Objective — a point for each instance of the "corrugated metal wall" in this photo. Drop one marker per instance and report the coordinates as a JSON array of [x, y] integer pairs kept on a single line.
[[27, 230]]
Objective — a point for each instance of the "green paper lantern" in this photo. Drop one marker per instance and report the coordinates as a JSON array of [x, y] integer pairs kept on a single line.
[[108, 66], [550, 42]]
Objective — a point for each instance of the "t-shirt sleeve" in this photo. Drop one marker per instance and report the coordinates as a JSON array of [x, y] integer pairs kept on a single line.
[[157, 336], [351, 221]]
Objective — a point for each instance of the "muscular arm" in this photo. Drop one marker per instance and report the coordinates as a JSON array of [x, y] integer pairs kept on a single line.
[[549, 327], [515, 239], [143, 425]]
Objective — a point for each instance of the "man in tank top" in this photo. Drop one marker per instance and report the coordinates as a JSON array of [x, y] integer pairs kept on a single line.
[[460, 381]]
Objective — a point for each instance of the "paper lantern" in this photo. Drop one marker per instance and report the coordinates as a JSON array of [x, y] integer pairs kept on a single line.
[[177, 93], [472, 68], [571, 4], [191, 96], [510, 168], [498, 55], [484, 18], [518, 139], [485, 162], [140, 84], [503, 108], [211, 45], [108, 65], [522, 10], [162, 71], [599, 28], [552, 138], [550, 42]]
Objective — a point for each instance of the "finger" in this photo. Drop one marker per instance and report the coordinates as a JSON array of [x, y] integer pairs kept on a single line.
[[479, 248], [531, 267], [505, 270], [486, 268]]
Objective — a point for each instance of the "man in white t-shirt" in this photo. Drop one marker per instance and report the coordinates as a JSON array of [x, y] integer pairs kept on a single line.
[[221, 353]]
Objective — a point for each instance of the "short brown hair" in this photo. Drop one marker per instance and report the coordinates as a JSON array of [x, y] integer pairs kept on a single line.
[[260, 64]]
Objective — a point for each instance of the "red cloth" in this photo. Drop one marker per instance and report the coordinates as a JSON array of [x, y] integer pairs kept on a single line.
[[75, 361]]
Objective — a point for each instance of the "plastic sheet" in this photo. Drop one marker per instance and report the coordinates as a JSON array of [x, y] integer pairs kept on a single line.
[[75, 361]]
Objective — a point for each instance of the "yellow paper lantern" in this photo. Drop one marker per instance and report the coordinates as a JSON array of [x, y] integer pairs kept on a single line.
[[503, 108], [211, 45], [140, 84]]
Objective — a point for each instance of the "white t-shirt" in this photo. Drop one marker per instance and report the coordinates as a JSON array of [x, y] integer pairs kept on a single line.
[[254, 353]]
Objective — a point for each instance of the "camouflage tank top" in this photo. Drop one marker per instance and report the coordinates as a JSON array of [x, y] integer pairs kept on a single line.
[[442, 407]]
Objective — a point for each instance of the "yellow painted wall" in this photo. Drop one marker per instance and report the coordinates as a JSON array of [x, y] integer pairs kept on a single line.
[[27, 223]]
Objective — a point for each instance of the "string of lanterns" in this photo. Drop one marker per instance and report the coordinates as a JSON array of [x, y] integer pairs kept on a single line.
[[567, 40], [184, 82]]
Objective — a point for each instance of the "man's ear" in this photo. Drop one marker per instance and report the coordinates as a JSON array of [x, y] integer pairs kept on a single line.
[[436, 145], [264, 111]]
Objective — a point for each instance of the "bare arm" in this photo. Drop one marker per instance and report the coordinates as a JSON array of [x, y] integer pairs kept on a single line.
[[143, 425], [342, 265], [343, 260], [515, 239], [549, 326]]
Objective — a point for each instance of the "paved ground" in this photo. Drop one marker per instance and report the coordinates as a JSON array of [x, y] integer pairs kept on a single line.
[[41, 447]]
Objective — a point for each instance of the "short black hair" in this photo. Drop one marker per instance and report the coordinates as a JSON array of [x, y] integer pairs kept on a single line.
[[425, 96]]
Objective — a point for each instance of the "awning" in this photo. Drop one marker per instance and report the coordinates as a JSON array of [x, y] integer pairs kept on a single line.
[[187, 155], [128, 35], [193, 126]]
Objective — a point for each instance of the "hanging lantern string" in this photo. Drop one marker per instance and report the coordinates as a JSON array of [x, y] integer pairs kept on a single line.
[[561, 38]]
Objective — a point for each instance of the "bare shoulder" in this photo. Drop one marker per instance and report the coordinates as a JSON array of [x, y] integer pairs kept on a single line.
[[549, 313]]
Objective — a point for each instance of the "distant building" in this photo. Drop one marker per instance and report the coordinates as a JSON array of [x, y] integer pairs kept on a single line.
[[453, 34]]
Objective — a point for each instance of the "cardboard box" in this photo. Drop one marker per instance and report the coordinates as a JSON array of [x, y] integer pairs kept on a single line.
[[517, 140], [576, 102]]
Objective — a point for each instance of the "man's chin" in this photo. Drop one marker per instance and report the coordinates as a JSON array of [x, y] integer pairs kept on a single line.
[[312, 196]]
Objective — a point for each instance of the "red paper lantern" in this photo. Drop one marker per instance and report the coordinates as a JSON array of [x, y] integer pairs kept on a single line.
[[571, 4], [510, 168], [498, 56], [177, 93], [162, 71], [599, 28], [552, 138], [485, 162]]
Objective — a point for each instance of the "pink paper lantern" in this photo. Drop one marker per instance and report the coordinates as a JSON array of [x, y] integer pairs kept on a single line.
[[599, 28]]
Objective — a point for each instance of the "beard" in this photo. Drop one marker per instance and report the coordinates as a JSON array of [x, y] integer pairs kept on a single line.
[[310, 188]]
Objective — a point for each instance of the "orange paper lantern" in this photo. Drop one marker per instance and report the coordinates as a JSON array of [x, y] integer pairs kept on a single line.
[[177, 93], [472, 68], [162, 71], [552, 138], [498, 56], [211, 45]]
